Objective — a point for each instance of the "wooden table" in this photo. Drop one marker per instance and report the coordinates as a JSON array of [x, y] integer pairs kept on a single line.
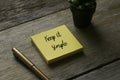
[[19, 19]]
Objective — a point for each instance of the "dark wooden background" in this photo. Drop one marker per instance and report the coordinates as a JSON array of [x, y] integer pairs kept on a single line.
[[100, 60], [14, 12]]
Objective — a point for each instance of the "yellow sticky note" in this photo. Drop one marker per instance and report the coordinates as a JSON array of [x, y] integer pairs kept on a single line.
[[56, 43]]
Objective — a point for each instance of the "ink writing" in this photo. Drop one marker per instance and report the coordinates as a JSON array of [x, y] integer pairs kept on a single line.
[[61, 45], [53, 37], [47, 38]]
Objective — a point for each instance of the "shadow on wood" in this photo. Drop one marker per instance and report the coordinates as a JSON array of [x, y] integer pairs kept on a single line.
[[90, 35]]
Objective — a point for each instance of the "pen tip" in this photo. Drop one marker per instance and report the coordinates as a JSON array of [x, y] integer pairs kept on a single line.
[[13, 48], [14, 51]]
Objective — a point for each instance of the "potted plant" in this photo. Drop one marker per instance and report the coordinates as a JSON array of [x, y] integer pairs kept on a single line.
[[82, 11]]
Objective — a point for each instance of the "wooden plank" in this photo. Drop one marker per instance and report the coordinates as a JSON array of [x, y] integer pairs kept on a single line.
[[109, 72], [100, 41], [106, 5], [101, 45], [14, 12]]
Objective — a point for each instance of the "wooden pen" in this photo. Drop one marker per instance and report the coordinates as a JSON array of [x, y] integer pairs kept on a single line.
[[29, 64]]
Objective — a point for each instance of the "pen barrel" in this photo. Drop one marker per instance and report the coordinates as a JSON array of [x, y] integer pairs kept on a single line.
[[22, 58], [29, 64], [39, 73]]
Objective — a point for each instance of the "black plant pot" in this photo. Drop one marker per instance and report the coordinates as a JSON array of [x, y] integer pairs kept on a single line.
[[82, 16]]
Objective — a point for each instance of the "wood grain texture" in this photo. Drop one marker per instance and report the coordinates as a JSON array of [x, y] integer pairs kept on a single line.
[[100, 40], [14, 12], [101, 45], [109, 72]]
